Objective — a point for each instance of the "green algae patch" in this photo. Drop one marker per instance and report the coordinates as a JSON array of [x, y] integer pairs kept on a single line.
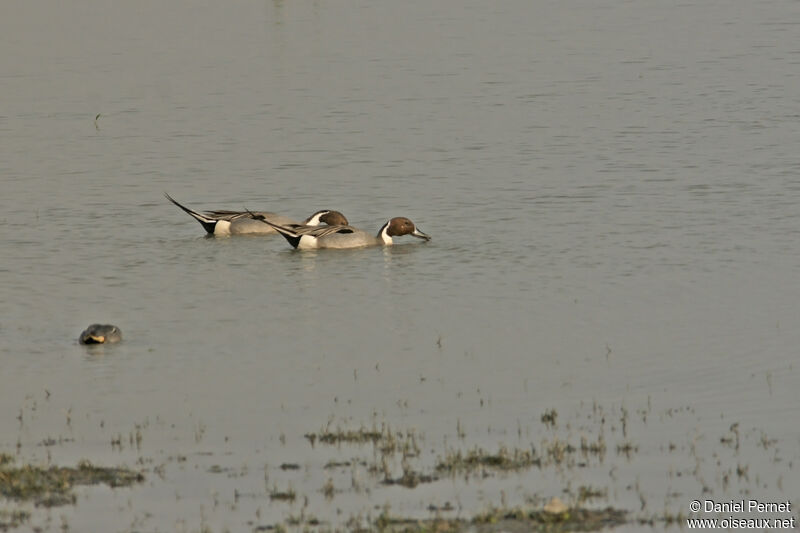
[[52, 486]]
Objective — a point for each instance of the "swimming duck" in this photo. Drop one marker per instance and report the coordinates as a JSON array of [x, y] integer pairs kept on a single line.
[[100, 334], [343, 236], [222, 222]]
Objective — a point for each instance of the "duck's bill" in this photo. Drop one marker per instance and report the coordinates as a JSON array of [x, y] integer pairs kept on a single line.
[[93, 339], [420, 235]]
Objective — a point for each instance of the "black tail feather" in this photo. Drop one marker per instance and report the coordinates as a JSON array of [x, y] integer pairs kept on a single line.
[[293, 240], [209, 224]]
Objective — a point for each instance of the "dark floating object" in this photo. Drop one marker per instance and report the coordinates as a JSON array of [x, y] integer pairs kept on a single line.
[[100, 334]]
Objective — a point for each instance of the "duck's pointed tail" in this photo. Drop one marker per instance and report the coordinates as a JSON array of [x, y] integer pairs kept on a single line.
[[289, 232], [209, 224]]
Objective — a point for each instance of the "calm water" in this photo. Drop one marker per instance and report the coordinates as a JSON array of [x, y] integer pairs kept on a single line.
[[613, 192]]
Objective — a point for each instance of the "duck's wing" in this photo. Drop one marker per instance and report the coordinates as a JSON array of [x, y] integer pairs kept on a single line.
[[321, 231], [224, 214]]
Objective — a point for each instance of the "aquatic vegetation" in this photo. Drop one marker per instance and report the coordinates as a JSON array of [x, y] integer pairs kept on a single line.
[[359, 436], [328, 489], [366, 461], [597, 447], [549, 417], [288, 495], [503, 519], [570, 519], [410, 478], [627, 448], [52, 486], [587, 493], [504, 459], [13, 519], [384, 438]]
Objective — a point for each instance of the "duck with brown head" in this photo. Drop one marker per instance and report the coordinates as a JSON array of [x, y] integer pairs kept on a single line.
[[223, 222], [344, 236]]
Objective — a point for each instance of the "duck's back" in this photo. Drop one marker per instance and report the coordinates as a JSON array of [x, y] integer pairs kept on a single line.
[[247, 224]]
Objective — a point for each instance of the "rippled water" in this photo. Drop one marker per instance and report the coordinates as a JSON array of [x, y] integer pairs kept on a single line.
[[613, 192]]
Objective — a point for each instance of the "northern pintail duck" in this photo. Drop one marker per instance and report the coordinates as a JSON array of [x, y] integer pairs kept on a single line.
[[344, 236], [100, 334], [223, 222]]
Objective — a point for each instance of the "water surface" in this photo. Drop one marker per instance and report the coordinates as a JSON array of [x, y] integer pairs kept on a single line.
[[613, 194]]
